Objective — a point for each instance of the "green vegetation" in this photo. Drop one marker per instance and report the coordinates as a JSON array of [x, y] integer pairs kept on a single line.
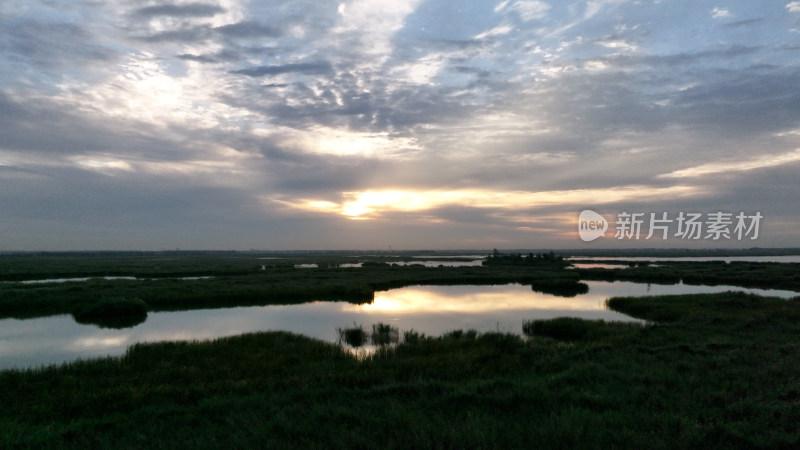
[[710, 371]]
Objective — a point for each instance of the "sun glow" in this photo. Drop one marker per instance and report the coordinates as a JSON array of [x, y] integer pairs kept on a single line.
[[372, 203]]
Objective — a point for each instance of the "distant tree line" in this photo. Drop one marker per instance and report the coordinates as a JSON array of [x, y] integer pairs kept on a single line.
[[516, 259]]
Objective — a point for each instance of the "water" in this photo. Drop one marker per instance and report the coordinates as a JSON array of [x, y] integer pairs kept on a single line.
[[597, 266], [432, 310], [437, 263], [775, 259], [83, 279]]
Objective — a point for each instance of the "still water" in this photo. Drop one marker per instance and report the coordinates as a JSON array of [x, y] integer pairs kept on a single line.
[[432, 310], [773, 259]]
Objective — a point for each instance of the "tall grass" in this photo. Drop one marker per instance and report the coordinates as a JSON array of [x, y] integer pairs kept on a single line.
[[573, 329]]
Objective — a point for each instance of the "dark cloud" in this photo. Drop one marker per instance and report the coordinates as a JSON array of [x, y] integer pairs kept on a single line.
[[309, 68], [670, 60], [202, 58], [185, 10], [248, 29], [51, 45], [230, 54], [44, 128], [197, 33]]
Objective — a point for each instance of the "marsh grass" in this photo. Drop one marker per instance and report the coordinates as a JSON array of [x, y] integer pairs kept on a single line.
[[763, 275], [573, 329], [412, 337]]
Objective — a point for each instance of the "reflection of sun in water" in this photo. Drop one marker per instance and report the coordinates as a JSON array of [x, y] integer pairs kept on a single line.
[[458, 299]]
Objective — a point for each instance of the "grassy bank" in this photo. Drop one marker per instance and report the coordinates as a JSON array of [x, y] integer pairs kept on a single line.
[[715, 371]]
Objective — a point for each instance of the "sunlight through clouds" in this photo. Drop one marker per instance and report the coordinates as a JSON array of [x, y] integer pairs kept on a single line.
[[342, 142], [370, 204]]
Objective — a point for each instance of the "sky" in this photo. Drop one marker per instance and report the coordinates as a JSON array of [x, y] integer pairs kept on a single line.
[[403, 124]]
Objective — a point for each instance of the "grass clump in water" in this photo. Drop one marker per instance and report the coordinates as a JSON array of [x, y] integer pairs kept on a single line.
[[117, 312], [355, 336], [413, 337], [384, 334]]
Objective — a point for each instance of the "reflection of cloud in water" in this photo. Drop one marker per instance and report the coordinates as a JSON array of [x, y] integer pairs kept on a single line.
[[100, 342]]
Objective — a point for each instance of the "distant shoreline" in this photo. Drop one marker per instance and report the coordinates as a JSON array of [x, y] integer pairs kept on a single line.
[[632, 252]]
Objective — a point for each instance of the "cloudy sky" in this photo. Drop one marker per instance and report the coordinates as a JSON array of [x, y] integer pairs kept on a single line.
[[410, 124]]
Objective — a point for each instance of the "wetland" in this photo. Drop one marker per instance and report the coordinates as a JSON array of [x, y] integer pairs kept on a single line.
[[235, 349]]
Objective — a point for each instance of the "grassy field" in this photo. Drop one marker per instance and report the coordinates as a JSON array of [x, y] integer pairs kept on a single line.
[[710, 371]]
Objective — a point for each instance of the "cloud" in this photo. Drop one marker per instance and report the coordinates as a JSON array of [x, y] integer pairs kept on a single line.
[[313, 68], [184, 35], [793, 7], [527, 10], [51, 45], [721, 13], [183, 10], [370, 204], [204, 58], [248, 29], [364, 30], [499, 30], [738, 166]]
